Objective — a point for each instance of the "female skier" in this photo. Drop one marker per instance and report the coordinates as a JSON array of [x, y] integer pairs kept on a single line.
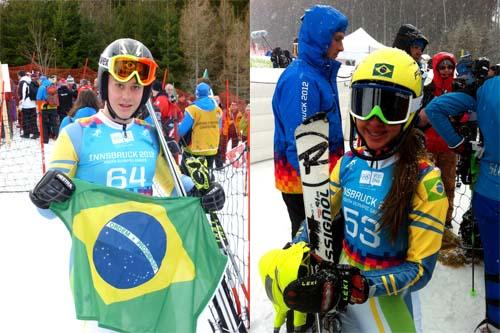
[[393, 202]]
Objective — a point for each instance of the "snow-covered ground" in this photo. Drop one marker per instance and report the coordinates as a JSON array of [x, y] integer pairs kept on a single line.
[[36, 296], [447, 305], [35, 293]]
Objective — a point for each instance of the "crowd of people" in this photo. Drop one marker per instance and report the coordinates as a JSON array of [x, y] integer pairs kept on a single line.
[[392, 194], [53, 98], [62, 101]]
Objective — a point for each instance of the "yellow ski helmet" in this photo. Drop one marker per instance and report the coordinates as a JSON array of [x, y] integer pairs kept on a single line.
[[386, 84], [277, 269], [390, 65]]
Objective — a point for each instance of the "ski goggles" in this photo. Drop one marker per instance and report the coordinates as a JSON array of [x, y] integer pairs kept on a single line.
[[124, 67], [391, 105]]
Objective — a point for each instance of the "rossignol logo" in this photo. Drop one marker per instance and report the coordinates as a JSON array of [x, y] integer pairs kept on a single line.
[[384, 70], [324, 218], [315, 156]]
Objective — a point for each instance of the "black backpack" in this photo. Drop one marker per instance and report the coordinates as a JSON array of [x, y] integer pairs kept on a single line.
[[32, 90]]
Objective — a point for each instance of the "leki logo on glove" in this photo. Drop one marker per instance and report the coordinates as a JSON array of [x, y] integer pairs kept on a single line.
[[345, 290]]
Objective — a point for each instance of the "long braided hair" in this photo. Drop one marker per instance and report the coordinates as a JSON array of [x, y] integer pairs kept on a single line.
[[397, 204]]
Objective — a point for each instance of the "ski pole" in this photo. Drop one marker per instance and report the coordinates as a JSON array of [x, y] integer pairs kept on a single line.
[[473, 292], [168, 156], [220, 300]]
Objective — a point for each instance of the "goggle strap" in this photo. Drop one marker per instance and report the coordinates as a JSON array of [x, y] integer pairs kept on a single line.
[[415, 103], [104, 61]]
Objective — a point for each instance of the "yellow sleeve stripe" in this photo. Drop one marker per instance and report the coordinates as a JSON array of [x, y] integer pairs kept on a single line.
[[386, 285], [334, 184], [426, 221], [425, 226], [71, 162], [419, 275], [393, 283], [63, 170], [424, 244], [426, 216], [376, 315]]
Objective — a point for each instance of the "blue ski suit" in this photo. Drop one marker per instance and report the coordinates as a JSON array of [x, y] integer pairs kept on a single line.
[[486, 198], [306, 87]]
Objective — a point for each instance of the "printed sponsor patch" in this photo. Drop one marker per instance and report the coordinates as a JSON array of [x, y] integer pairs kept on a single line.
[[377, 178], [435, 189], [371, 178], [118, 138], [384, 70], [365, 177]]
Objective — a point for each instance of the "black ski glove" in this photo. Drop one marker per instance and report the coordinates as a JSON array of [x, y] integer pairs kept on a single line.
[[328, 288], [214, 198], [54, 186]]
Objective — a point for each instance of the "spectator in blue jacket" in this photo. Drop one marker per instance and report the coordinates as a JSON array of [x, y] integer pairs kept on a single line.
[[86, 105], [306, 87], [486, 197], [200, 128]]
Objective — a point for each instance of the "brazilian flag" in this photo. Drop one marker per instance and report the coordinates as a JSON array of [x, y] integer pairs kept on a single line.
[[139, 264]]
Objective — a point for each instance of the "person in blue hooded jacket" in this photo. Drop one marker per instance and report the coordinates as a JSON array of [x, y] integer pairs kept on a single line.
[[306, 87], [200, 128], [486, 197], [48, 101]]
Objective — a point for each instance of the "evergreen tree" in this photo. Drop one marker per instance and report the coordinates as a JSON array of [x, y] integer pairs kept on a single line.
[[198, 41], [235, 58], [171, 59]]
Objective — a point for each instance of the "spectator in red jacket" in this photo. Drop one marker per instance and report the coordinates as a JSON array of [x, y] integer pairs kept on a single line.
[[443, 67], [84, 84], [171, 115]]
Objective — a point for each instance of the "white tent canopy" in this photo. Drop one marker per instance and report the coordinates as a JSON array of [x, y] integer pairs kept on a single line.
[[358, 45]]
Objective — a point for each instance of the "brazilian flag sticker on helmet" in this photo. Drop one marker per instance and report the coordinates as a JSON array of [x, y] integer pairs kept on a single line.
[[384, 70]]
